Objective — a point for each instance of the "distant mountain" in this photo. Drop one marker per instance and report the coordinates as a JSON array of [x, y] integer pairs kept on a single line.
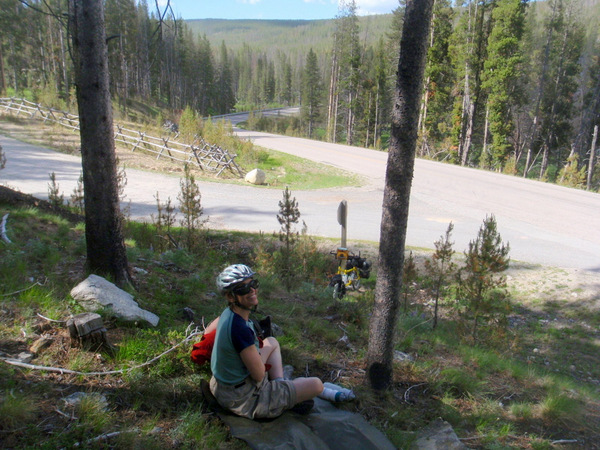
[[290, 36]]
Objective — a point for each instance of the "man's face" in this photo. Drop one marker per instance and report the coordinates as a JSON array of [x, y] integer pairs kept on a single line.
[[247, 293]]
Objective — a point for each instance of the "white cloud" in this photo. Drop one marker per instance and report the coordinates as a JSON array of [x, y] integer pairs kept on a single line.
[[249, 2]]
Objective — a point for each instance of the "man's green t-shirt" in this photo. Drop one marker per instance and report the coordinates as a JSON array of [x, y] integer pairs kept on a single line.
[[234, 334]]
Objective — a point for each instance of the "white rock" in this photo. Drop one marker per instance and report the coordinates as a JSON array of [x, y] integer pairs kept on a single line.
[[95, 293], [256, 176]]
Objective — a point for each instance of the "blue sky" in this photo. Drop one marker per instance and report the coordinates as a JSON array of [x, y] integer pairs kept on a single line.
[[271, 9]]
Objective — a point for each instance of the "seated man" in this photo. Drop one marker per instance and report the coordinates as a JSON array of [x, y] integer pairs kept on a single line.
[[248, 374]]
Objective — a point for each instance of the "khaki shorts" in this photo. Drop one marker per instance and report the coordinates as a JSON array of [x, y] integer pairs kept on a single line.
[[267, 399]]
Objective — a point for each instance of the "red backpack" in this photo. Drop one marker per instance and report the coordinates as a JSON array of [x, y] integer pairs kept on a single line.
[[202, 350]]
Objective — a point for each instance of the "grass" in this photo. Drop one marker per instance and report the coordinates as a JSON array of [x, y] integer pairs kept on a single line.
[[497, 394]]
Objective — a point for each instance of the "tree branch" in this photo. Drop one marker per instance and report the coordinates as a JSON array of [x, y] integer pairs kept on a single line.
[[5, 238], [18, 363]]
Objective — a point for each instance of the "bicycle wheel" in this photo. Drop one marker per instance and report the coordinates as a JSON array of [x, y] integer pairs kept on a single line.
[[339, 289], [355, 279]]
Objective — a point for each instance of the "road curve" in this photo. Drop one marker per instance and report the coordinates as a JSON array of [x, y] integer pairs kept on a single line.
[[543, 223]]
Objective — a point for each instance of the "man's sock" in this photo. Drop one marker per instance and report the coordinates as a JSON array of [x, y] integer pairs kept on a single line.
[[347, 393], [331, 395]]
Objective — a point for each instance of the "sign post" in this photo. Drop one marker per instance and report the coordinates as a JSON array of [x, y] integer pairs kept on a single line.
[[342, 217]]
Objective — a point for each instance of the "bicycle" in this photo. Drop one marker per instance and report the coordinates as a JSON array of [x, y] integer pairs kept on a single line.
[[356, 269]]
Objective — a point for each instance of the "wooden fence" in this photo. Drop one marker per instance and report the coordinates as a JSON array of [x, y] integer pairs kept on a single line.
[[205, 156]]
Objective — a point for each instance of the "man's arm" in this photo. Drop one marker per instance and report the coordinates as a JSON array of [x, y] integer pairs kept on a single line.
[[253, 363]]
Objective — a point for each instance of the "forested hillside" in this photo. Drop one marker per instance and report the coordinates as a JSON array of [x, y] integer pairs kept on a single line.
[[511, 85]]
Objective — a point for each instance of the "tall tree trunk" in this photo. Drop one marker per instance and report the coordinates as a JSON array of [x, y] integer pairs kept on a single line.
[[103, 229], [468, 135], [591, 161], [376, 127], [63, 62], [2, 85], [399, 174], [332, 104], [484, 152]]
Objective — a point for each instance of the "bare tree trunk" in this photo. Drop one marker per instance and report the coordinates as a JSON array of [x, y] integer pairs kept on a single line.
[[485, 134], [63, 61], [591, 162], [544, 160], [376, 128], [332, 104], [350, 121], [368, 120], [2, 85], [103, 229], [466, 148], [399, 174]]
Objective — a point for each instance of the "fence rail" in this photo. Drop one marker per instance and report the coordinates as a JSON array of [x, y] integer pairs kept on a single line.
[[205, 156]]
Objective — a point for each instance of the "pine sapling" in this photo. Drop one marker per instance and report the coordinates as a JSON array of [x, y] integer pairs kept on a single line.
[[190, 205], [77, 198], [55, 198], [121, 183], [481, 291], [409, 275], [164, 221], [288, 216], [440, 267]]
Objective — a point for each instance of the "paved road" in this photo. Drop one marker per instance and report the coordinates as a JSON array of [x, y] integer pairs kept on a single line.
[[543, 223]]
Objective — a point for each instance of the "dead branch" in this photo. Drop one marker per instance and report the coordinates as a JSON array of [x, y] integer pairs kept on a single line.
[[50, 320], [408, 390], [3, 234], [18, 363], [37, 283], [102, 437], [70, 417]]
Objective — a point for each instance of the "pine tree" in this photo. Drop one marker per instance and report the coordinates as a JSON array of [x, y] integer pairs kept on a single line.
[[482, 296], [188, 125], [501, 75], [312, 92], [55, 198], [190, 205], [436, 106], [288, 217], [225, 97], [440, 267], [346, 74], [77, 196], [469, 45], [396, 196]]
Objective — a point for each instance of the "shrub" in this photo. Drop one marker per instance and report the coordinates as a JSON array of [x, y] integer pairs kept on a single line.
[[55, 198], [288, 216], [440, 267], [190, 205], [482, 296]]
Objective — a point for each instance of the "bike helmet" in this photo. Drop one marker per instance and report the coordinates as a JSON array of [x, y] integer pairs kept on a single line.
[[233, 275]]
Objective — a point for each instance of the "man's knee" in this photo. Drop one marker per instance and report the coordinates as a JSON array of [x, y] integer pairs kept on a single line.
[[271, 341]]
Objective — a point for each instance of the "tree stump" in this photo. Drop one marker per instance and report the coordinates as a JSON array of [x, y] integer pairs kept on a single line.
[[87, 331]]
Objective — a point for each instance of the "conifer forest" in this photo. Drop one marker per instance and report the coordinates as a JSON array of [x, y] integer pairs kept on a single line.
[[510, 85]]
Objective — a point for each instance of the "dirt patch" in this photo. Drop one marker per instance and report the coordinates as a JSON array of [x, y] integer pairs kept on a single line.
[[538, 286]]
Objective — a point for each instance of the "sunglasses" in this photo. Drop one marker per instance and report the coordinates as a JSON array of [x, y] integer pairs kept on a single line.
[[244, 289]]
